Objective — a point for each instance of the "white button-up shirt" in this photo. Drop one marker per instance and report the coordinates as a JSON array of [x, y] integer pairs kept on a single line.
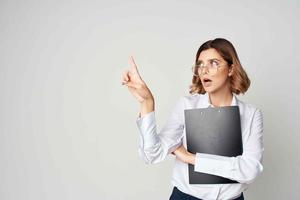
[[155, 146]]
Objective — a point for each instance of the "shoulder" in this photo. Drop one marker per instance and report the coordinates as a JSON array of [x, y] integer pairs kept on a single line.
[[249, 109], [190, 101], [191, 98]]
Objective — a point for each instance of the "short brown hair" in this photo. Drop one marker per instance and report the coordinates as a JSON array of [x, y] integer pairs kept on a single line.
[[239, 81]]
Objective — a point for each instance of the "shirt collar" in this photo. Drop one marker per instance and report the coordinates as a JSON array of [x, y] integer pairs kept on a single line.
[[206, 101]]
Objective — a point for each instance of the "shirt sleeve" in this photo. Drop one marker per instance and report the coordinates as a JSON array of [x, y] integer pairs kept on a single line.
[[155, 146], [244, 168]]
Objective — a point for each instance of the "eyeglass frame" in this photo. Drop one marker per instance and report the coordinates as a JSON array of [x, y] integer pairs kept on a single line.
[[211, 60]]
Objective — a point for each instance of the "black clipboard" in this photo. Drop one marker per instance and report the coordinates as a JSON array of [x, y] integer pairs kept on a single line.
[[213, 130]]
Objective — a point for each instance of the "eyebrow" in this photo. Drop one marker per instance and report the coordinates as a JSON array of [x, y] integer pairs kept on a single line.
[[200, 61]]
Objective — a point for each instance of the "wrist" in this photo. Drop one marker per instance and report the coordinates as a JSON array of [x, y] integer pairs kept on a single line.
[[147, 106], [191, 158]]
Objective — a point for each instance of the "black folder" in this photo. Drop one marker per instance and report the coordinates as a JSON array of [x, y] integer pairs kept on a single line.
[[213, 130]]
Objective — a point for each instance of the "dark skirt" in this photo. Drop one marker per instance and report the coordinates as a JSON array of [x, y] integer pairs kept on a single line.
[[178, 195]]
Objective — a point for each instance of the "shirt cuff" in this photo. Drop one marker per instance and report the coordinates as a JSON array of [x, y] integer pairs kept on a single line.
[[145, 120], [147, 128]]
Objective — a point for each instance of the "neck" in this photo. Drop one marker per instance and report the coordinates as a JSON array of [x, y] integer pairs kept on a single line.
[[221, 97]]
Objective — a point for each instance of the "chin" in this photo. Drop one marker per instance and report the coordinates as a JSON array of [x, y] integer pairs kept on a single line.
[[210, 89], [214, 88]]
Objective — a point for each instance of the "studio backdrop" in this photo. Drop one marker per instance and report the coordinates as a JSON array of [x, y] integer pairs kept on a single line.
[[68, 126]]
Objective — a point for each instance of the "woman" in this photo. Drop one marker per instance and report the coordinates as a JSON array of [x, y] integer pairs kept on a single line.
[[218, 77]]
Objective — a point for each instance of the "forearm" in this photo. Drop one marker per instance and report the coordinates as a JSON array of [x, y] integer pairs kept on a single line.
[[244, 168], [151, 148], [185, 156]]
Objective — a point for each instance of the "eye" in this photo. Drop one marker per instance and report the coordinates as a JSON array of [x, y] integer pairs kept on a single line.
[[214, 63]]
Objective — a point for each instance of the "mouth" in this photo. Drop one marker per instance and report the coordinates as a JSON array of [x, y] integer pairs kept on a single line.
[[206, 80]]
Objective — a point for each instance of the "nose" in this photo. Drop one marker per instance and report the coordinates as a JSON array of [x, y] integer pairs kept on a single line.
[[205, 69]]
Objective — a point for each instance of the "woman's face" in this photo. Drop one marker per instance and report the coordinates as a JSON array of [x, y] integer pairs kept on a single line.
[[220, 79]]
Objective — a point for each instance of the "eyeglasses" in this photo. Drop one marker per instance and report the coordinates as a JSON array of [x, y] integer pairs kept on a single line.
[[212, 67]]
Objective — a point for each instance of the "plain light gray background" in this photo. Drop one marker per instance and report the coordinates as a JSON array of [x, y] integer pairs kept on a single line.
[[67, 125]]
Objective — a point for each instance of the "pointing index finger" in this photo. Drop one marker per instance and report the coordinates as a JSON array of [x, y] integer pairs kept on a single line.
[[133, 65]]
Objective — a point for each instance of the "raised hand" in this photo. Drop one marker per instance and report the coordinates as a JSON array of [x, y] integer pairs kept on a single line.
[[138, 88]]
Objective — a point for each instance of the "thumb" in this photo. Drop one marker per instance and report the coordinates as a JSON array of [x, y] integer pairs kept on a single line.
[[130, 84]]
